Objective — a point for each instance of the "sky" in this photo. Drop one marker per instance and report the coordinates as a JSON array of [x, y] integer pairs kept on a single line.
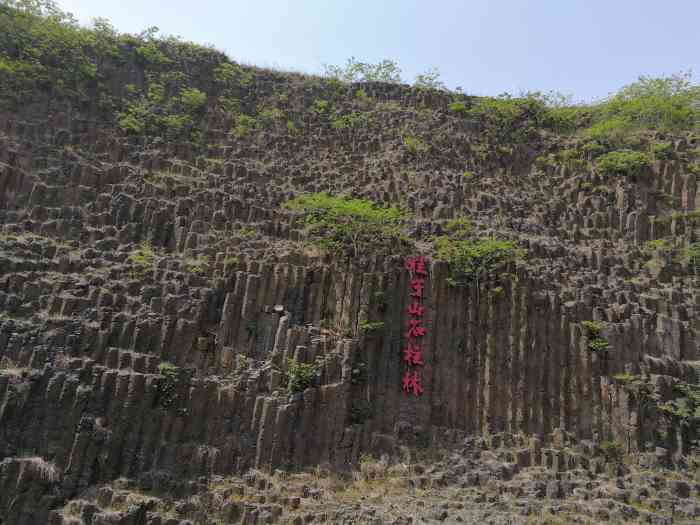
[[584, 48]]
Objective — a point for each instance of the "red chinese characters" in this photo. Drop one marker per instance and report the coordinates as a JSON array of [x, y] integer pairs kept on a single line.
[[413, 351]]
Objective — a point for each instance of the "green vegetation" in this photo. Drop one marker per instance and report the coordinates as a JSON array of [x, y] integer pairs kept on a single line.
[[167, 387], [459, 227], [46, 57], [300, 375], [507, 119], [623, 162], [593, 327], [471, 260], [663, 104], [429, 80], [684, 410], [458, 107], [44, 49], [197, 265], [414, 144], [596, 343], [143, 259], [356, 71], [229, 75], [658, 245], [356, 226], [350, 120], [612, 451], [692, 255], [662, 150], [244, 124], [371, 327]]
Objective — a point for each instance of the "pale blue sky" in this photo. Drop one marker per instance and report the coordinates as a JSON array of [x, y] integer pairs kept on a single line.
[[586, 48]]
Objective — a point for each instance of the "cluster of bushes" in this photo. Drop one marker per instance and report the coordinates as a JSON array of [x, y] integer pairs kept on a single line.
[[664, 104], [169, 108], [46, 56]]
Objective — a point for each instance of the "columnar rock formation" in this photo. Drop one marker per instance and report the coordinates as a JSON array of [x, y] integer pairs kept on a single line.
[[227, 290]]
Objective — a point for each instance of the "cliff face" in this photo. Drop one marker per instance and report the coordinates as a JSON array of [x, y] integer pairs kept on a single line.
[[157, 301]]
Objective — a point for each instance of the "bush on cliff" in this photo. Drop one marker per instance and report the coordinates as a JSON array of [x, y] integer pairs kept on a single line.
[[355, 226], [300, 375], [622, 162], [663, 104], [471, 260]]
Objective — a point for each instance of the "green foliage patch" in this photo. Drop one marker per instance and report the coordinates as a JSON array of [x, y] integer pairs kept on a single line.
[[692, 255], [356, 226], [623, 162], [471, 260], [664, 104], [167, 387], [356, 71], [300, 375], [371, 327]]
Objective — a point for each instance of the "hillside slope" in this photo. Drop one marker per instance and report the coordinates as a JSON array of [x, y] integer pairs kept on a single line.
[[206, 268]]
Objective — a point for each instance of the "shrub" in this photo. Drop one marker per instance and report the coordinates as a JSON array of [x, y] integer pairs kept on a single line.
[[371, 327], [143, 259], [510, 119], [351, 120], [429, 80], [684, 409], [231, 74], [458, 227], [622, 162], [471, 260], [612, 451], [692, 255], [593, 327], [244, 125], [362, 96], [598, 345], [167, 387], [320, 106], [197, 265], [657, 244], [356, 71], [458, 107], [353, 225], [300, 376], [662, 150], [666, 103], [414, 144], [192, 99]]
